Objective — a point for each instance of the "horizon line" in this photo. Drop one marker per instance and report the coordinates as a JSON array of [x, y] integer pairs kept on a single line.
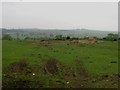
[[62, 29]]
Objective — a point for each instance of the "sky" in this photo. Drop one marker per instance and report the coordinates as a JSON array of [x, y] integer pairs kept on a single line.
[[61, 15]]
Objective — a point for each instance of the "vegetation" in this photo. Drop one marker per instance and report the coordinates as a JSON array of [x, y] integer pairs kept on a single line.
[[7, 37], [111, 37], [58, 63]]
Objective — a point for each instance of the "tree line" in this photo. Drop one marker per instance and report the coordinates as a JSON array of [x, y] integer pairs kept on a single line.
[[109, 37]]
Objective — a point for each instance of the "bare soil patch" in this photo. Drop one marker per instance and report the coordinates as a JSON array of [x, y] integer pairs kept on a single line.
[[18, 66], [51, 66]]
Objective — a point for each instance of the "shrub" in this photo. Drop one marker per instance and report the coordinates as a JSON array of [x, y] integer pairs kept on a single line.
[[7, 37]]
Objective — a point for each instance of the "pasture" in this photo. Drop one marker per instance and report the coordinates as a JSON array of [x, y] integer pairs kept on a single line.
[[34, 64]]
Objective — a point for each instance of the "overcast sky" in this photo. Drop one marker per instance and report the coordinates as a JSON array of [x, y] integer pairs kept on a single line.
[[61, 15]]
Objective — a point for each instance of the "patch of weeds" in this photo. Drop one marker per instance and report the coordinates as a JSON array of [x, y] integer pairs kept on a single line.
[[113, 62]]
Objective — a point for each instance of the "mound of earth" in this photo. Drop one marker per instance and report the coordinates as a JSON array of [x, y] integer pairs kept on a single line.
[[51, 66]]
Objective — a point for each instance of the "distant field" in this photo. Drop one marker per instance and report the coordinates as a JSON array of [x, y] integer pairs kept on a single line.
[[60, 64]]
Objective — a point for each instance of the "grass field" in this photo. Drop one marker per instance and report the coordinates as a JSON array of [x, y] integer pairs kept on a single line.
[[1, 64], [60, 64]]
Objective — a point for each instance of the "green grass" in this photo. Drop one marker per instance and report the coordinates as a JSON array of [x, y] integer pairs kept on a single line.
[[99, 54], [0, 61], [96, 58]]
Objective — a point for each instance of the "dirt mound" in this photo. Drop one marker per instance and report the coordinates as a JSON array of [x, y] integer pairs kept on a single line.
[[18, 66], [51, 66]]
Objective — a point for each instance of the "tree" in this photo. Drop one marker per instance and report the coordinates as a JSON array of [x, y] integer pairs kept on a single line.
[[58, 37], [7, 37], [27, 38], [17, 34], [68, 37], [111, 37]]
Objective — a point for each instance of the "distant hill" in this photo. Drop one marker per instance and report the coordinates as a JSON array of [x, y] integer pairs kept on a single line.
[[48, 32]]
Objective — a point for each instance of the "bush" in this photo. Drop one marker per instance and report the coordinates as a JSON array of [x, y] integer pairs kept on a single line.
[[7, 37], [111, 37]]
